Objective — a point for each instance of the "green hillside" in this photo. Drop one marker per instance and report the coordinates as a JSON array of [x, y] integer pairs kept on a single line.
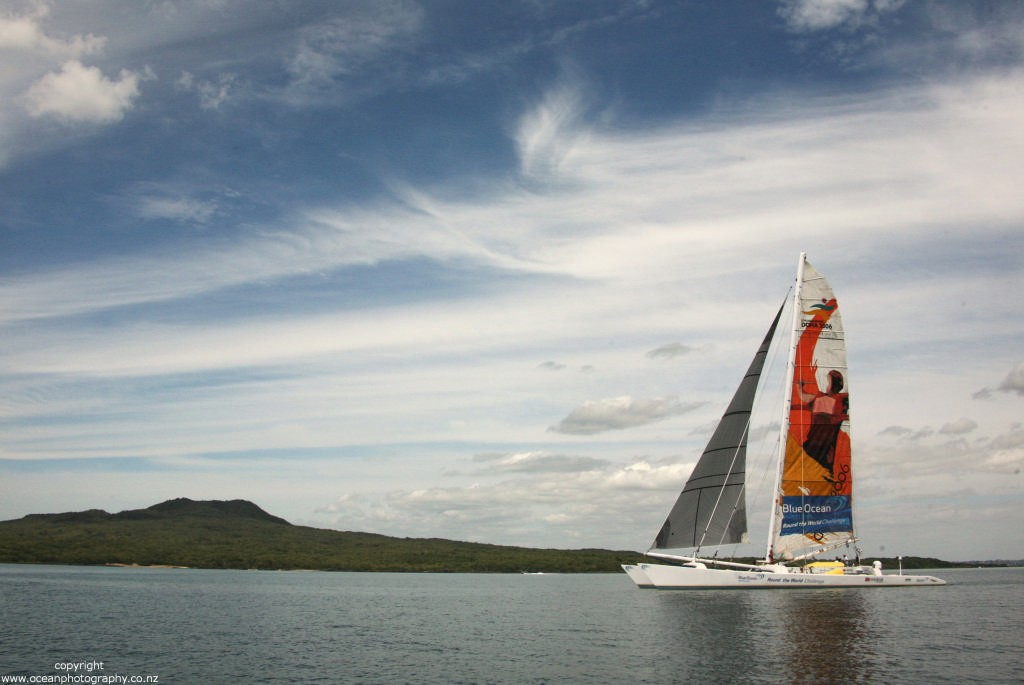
[[238, 534]]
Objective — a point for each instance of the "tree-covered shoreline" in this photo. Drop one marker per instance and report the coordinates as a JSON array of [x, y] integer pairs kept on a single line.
[[239, 535]]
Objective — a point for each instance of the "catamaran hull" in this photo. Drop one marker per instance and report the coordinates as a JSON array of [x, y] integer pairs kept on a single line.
[[637, 575], [665, 577]]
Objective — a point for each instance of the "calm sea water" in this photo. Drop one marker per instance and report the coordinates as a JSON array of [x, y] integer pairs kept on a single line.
[[192, 626]]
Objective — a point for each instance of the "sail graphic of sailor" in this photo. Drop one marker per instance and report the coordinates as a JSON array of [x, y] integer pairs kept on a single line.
[[812, 500]]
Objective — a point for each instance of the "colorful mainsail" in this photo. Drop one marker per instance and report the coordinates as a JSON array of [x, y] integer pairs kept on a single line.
[[814, 499], [813, 488]]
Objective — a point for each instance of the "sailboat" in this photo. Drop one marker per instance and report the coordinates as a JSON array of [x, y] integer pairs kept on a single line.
[[812, 497]]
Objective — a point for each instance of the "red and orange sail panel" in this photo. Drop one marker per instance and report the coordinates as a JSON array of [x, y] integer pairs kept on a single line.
[[816, 485]]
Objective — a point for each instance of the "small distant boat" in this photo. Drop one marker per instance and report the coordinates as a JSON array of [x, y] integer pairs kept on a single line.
[[812, 508]]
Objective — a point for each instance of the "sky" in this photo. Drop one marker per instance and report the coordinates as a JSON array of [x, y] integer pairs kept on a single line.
[[490, 271]]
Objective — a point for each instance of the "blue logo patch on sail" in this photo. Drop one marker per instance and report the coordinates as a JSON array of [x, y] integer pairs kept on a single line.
[[808, 514]]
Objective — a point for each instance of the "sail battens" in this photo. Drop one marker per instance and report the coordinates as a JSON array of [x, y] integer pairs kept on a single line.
[[739, 412], [715, 480]]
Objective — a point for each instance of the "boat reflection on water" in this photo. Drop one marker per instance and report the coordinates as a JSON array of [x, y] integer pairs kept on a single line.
[[798, 636], [830, 637]]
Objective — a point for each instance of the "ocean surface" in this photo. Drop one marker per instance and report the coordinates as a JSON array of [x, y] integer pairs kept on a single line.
[[194, 626]]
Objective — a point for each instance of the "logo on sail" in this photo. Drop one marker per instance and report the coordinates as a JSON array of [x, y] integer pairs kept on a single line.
[[823, 306], [819, 314], [816, 514]]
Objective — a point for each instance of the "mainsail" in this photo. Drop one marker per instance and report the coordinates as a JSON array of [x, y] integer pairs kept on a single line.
[[813, 504], [711, 509]]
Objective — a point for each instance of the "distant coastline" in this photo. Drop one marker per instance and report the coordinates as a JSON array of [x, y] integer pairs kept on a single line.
[[237, 534]]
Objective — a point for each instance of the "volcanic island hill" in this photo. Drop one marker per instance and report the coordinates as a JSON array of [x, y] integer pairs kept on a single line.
[[240, 535]]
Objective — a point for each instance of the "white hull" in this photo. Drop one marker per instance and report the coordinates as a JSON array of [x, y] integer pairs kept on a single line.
[[637, 576], [665, 577]]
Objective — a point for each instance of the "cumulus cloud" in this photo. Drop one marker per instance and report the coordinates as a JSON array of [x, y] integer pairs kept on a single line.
[[25, 33], [1014, 381], [616, 413], [919, 456], [78, 93], [909, 434], [558, 506], [898, 431], [959, 427], [670, 351]]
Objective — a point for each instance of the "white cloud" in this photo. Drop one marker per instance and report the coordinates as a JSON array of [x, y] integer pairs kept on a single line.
[[211, 94], [678, 231], [671, 350], [78, 93], [818, 15], [899, 431], [620, 504], [540, 462], [1014, 381], [330, 53], [175, 208], [25, 33], [617, 413], [959, 427], [926, 452], [633, 204], [548, 132]]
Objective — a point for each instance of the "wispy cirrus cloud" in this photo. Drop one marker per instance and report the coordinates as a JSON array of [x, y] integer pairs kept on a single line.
[[608, 173], [175, 208], [361, 351], [335, 58], [539, 462], [818, 15], [547, 132]]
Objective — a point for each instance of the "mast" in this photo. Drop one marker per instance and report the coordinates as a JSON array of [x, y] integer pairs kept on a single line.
[[787, 401]]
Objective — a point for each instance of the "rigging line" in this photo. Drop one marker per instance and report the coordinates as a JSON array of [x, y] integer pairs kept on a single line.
[[768, 404], [721, 493], [741, 446]]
